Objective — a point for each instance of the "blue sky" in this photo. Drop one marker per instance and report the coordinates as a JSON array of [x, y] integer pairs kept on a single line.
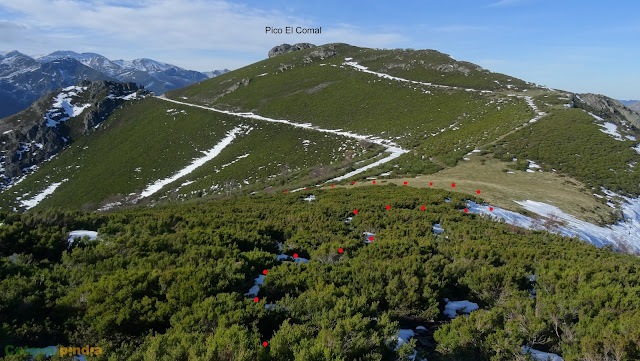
[[582, 46]]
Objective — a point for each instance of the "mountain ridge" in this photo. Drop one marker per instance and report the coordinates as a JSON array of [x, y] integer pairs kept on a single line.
[[24, 79]]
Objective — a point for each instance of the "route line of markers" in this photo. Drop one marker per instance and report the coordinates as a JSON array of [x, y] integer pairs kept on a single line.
[[371, 238]]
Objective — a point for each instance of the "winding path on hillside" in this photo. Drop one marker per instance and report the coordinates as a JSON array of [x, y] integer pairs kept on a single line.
[[390, 147]]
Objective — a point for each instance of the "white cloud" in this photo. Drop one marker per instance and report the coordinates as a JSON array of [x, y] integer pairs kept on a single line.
[[172, 28]]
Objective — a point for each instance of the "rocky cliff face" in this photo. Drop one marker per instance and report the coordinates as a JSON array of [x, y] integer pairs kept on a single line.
[[287, 48], [52, 122]]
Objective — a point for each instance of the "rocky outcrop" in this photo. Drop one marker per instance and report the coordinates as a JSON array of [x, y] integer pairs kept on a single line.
[[610, 107], [105, 97], [287, 48], [635, 107], [34, 135]]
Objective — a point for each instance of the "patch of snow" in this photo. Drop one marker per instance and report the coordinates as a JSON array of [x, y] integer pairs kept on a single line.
[[626, 231], [209, 155], [437, 229], [310, 198], [404, 335], [73, 235], [253, 291], [395, 152], [452, 308], [28, 204], [131, 96], [596, 117], [108, 206], [532, 105], [368, 236], [62, 109], [286, 258], [539, 355], [533, 164], [259, 75], [611, 129]]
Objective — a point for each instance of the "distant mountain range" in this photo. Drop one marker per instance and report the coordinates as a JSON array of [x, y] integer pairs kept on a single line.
[[628, 102], [631, 104], [24, 79]]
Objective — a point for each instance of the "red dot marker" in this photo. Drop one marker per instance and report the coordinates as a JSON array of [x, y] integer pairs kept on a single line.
[[453, 184], [405, 182], [265, 344], [478, 191], [371, 238], [430, 183], [422, 208], [306, 188], [466, 210], [491, 208], [340, 250], [295, 255], [354, 182], [355, 211], [285, 191], [374, 182], [265, 272], [332, 186], [256, 299], [388, 207]]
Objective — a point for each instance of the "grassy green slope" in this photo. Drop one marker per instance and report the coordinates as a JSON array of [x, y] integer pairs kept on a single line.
[[569, 141], [152, 139]]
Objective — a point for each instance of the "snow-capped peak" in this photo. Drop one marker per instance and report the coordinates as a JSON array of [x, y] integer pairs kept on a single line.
[[144, 64]]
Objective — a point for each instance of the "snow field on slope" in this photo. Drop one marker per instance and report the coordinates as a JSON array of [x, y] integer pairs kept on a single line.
[[30, 203], [208, 155], [63, 108], [626, 232]]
